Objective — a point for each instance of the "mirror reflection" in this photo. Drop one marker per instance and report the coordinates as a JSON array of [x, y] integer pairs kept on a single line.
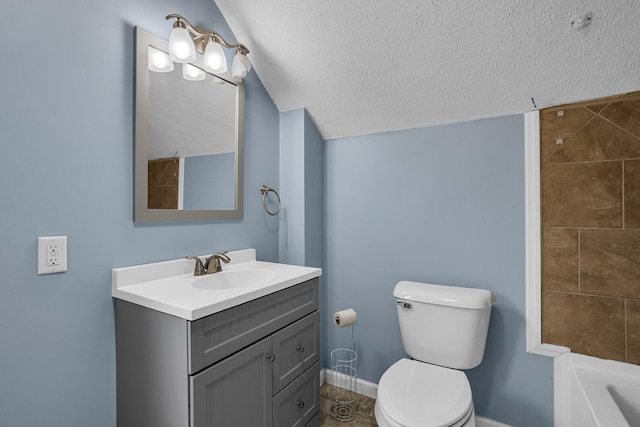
[[191, 141], [188, 138]]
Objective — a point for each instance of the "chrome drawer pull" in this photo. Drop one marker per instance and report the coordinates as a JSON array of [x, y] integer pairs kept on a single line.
[[300, 348], [300, 404]]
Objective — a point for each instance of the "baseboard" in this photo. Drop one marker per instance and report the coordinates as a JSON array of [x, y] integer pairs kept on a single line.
[[363, 387], [370, 389], [488, 422]]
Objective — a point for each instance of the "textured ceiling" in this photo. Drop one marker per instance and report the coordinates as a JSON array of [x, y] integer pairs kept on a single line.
[[369, 66]]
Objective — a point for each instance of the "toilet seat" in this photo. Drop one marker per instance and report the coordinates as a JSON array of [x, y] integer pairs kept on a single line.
[[417, 394], [384, 420]]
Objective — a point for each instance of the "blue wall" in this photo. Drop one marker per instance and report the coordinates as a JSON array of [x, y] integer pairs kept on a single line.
[[66, 114], [206, 181], [301, 190], [313, 194], [443, 205], [291, 187]]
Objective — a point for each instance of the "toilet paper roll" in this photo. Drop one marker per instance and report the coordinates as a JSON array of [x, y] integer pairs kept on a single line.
[[344, 318]]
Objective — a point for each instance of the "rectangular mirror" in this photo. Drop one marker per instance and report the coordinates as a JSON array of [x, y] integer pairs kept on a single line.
[[189, 138]]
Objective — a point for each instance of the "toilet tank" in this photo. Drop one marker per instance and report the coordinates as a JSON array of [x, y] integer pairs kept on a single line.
[[443, 325]]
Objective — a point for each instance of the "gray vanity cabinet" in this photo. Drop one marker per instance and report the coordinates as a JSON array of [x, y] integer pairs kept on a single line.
[[253, 365], [272, 377]]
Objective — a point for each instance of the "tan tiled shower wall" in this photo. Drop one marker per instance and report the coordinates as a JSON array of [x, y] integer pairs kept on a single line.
[[163, 184], [590, 185]]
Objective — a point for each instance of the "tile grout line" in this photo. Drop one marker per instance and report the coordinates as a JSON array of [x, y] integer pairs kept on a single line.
[[626, 343], [591, 161], [579, 262], [623, 218], [542, 161], [617, 126], [585, 228], [623, 298]]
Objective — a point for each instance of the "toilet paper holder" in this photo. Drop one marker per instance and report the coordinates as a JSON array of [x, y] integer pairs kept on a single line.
[[344, 371]]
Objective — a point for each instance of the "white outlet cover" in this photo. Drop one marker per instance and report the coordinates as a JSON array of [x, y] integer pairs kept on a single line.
[[61, 266]]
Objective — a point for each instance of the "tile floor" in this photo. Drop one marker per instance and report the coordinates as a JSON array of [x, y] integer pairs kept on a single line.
[[364, 410]]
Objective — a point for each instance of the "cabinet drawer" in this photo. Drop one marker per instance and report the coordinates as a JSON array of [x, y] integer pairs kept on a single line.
[[217, 336], [314, 422], [296, 348], [299, 402]]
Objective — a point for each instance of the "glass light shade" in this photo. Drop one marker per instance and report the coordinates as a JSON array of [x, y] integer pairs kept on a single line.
[[190, 72], [181, 47], [240, 66], [159, 61], [214, 59]]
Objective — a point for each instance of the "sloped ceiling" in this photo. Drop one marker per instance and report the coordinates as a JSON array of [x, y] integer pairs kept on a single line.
[[369, 66]]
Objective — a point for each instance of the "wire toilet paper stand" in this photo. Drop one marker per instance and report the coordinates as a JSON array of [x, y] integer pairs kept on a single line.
[[343, 365]]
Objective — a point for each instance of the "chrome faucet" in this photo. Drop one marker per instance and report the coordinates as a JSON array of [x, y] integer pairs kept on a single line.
[[206, 268], [215, 258]]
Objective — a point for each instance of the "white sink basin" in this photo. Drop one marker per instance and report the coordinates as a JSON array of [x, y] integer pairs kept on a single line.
[[234, 279]]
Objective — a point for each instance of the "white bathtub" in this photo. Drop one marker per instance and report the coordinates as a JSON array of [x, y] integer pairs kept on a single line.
[[593, 392]]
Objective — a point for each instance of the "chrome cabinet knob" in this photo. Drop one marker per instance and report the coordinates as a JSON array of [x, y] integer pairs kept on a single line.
[[300, 404], [300, 348]]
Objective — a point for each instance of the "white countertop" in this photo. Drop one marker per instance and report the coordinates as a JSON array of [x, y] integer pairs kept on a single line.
[[169, 286]]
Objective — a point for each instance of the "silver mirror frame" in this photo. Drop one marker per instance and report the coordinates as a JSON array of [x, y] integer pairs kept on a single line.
[[141, 212]]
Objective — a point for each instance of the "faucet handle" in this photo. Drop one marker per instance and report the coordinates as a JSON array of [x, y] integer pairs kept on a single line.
[[215, 259], [199, 270]]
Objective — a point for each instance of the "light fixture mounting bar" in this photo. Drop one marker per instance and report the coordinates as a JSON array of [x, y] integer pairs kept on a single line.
[[201, 36]]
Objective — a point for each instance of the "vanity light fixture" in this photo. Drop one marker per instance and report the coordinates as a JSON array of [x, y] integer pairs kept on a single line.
[[185, 40], [181, 48], [240, 65]]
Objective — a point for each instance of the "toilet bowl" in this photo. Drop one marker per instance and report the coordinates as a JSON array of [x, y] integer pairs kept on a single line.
[[417, 394], [444, 330]]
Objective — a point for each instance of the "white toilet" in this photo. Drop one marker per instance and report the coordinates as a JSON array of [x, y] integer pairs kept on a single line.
[[443, 328]]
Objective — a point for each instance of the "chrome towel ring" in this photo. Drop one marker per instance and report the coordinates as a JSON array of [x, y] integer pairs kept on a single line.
[[264, 190]]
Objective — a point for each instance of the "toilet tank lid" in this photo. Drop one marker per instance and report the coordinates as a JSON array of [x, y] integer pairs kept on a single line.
[[444, 295]]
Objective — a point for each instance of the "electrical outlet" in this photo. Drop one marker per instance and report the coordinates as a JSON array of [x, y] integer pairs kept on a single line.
[[52, 254]]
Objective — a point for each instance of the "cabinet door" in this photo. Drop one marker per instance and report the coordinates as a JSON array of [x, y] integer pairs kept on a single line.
[[235, 392], [296, 347]]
